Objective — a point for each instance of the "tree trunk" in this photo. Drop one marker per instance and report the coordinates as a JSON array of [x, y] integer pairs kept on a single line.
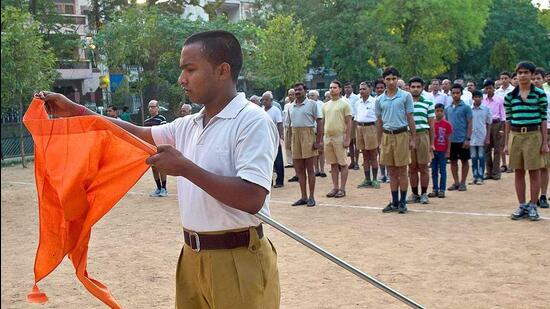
[[21, 141]]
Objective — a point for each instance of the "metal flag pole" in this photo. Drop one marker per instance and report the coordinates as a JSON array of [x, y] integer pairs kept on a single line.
[[377, 283]]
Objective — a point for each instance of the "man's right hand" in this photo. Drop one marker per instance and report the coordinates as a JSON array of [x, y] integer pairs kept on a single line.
[[59, 105]]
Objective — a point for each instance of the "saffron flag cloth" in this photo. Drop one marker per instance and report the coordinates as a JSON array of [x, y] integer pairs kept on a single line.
[[83, 166]]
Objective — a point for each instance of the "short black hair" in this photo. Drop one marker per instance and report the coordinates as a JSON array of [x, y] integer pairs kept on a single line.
[[540, 71], [505, 73], [436, 80], [514, 74], [300, 84], [416, 79], [489, 82], [439, 105], [220, 46], [348, 84], [528, 65], [477, 93], [337, 82], [125, 108], [390, 71], [379, 81], [113, 107], [457, 86]]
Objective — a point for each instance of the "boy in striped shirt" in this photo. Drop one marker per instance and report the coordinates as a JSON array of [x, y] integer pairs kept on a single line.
[[526, 137], [421, 155]]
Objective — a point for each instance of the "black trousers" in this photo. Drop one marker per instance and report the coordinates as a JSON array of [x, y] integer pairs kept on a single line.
[[279, 168]]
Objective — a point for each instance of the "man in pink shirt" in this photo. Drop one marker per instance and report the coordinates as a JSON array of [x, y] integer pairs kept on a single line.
[[493, 151]]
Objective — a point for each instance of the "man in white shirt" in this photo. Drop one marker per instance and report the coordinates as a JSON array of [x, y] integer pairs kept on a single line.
[[277, 116], [352, 99], [288, 131], [367, 136], [466, 94], [538, 80], [439, 97], [319, 164], [505, 84], [219, 155]]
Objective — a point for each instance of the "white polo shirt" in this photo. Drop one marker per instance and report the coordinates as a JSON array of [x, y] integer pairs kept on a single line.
[[275, 114], [240, 141], [366, 110]]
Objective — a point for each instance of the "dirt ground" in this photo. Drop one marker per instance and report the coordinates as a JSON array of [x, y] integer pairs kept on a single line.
[[459, 252]]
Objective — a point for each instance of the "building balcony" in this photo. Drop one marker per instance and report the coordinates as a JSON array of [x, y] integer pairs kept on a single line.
[[73, 70]]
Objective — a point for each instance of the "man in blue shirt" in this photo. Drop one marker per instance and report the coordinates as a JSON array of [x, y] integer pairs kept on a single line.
[[394, 112], [459, 114]]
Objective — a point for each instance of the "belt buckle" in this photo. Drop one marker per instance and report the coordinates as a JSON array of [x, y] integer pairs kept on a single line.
[[523, 130], [197, 241]]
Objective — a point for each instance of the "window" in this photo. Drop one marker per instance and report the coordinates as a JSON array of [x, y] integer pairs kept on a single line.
[[65, 6]]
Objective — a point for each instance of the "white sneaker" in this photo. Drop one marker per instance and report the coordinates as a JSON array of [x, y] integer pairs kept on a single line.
[[163, 193], [155, 193], [424, 199]]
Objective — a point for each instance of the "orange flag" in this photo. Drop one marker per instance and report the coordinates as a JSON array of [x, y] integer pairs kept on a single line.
[[83, 166]]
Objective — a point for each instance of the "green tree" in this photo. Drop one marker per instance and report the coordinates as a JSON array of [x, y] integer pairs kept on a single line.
[[424, 37], [283, 52], [516, 21], [503, 57], [27, 65]]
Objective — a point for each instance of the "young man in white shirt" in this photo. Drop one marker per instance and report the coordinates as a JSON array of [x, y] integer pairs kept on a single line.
[[219, 155], [277, 116], [352, 99], [367, 136]]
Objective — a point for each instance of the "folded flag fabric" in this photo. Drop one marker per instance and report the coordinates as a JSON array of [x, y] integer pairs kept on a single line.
[[83, 166]]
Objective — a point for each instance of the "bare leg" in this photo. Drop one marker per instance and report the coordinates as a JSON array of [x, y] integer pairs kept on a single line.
[[534, 185], [299, 166], [343, 176], [454, 171], [334, 175], [311, 176], [519, 182], [465, 168]]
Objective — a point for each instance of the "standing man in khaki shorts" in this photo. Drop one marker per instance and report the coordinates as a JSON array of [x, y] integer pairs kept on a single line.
[[221, 154], [394, 110], [337, 130], [303, 117], [526, 137], [288, 133], [424, 114], [367, 136]]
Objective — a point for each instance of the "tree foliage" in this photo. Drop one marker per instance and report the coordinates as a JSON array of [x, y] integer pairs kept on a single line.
[[27, 65], [503, 56], [283, 52]]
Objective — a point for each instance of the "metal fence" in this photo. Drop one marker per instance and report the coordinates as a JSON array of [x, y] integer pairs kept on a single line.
[[10, 139]]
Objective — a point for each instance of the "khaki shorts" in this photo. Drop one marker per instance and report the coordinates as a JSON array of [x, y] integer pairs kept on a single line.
[[335, 152], [524, 150], [547, 155], [423, 152], [302, 143], [367, 138], [288, 139], [353, 129], [394, 150], [245, 277]]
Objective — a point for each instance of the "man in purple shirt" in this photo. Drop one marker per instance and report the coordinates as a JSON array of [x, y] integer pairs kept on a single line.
[[493, 151]]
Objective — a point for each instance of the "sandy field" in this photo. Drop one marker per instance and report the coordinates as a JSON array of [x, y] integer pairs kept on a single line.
[[459, 252]]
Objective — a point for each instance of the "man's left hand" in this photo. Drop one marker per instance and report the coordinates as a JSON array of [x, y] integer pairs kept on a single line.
[[168, 160]]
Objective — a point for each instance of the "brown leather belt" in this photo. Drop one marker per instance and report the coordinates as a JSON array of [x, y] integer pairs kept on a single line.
[[366, 124], [229, 240], [524, 129], [396, 131]]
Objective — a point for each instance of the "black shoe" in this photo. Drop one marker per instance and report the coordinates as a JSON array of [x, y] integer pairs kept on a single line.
[[310, 202], [317, 174], [402, 208], [389, 208], [300, 202], [289, 166], [322, 174], [293, 179], [487, 177], [542, 202], [279, 185], [356, 167]]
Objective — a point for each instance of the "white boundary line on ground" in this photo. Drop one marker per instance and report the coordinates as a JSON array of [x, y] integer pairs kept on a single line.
[[443, 212]]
